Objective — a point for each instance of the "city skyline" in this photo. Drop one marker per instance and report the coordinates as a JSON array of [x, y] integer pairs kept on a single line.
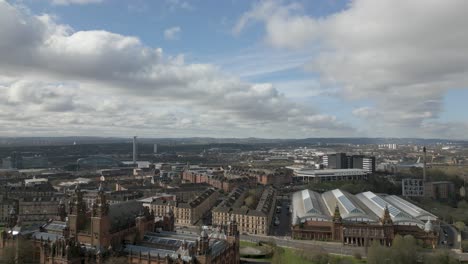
[[265, 69]]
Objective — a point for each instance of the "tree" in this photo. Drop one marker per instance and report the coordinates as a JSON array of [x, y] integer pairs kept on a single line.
[[116, 260], [357, 255], [464, 245], [377, 253], [442, 257], [20, 251], [321, 258], [460, 225], [278, 253], [404, 249], [250, 201], [462, 204]]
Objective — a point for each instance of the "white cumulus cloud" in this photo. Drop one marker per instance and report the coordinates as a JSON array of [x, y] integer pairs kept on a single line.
[[172, 33], [403, 56], [60, 81]]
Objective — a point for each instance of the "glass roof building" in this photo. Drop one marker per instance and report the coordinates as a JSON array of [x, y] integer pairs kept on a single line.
[[366, 207]]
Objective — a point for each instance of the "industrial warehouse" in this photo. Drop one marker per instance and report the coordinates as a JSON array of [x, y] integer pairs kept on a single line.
[[359, 219]]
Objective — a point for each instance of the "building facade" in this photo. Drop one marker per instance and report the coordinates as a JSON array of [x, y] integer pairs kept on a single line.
[[59, 242], [312, 175], [187, 213], [250, 221], [343, 161], [277, 177], [358, 219], [216, 178]]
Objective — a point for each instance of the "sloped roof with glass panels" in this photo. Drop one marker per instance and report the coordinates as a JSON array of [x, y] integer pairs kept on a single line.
[[363, 207], [55, 227], [410, 208], [351, 209], [308, 206], [377, 204]]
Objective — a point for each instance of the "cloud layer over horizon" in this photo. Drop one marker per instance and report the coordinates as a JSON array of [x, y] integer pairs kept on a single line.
[[58, 80], [399, 59]]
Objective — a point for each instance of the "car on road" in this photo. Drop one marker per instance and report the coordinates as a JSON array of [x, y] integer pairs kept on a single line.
[[278, 209], [277, 221]]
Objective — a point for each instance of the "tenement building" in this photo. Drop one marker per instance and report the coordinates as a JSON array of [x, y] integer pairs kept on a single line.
[[253, 219], [187, 213], [38, 209], [217, 178], [276, 177], [33, 203], [358, 219], [5, 207]]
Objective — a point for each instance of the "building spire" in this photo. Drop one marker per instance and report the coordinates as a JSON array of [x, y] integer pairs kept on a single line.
[[386, 218], [337, 215]]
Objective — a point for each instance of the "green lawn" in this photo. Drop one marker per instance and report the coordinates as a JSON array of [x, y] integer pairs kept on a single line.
[[247, 244], [444, 211], [290, 255]]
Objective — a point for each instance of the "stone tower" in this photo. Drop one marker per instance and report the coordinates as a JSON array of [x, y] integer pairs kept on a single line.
[[386, 218], [144, 222], [337, 233], [387, 226], [203, 248], [12, 218], [77, 212], [100, 221], [61, 211], [233, 236], [169, 220], [232, 227]]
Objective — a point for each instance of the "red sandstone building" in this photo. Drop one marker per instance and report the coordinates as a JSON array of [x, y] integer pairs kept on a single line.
[[358, 219], [228, 180], [128, 230]]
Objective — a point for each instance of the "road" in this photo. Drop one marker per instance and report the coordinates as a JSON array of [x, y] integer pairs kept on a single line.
[[449, 235], [284, 228], [308, 245]]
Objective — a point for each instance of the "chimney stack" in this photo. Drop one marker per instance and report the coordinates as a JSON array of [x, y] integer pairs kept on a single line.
[[135, 150], [424, 165]]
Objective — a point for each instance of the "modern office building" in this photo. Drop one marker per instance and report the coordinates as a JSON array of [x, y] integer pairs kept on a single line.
[[412, 187], [313, 175], [337, 161], [343, 161], [362, 162]]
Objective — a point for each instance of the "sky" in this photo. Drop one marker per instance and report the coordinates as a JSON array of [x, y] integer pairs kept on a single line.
[[234, 68]]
